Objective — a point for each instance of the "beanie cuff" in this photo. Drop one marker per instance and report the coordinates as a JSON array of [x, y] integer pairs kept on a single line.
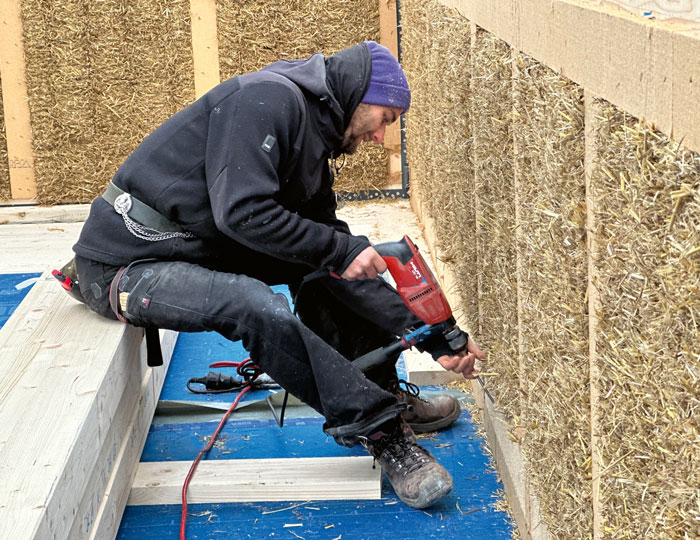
[[388, 95]]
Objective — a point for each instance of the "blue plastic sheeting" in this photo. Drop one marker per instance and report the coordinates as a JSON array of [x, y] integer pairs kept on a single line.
[[467, 513], [254, 439], [13, 289]]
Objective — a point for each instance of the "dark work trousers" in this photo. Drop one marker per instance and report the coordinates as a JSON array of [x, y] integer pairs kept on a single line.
[[307, 355]]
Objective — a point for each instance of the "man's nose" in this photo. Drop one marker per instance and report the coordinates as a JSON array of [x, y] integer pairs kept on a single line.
[[378, 135]]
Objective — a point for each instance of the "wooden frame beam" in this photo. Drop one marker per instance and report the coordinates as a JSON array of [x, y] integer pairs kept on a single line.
[[649, 68], [20, 149], [205, 46], [388, 36], [591, 110], [247, 480]]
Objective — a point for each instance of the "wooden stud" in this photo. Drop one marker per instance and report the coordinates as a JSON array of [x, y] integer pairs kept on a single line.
[[126, 462], [247, 480], [388, 36], [205, 46], [64, 213], [20, 150]]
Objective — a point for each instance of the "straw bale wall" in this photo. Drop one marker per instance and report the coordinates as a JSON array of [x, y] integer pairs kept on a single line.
[[548, 127], [648, 228], [559, 203], [441, 120], [494, 257], [102, 75], [4, 165]]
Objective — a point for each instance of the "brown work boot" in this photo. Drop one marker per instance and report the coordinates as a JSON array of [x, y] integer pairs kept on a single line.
[[417, 478], [425, 415]]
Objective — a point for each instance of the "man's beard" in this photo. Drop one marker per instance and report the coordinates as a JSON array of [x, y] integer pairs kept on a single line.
[[348, 146]]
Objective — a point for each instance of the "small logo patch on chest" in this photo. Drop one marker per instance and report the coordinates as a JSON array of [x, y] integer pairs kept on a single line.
[[268, 143]]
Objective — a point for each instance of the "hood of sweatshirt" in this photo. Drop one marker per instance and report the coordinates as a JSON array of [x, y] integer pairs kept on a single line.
[[334, 87]]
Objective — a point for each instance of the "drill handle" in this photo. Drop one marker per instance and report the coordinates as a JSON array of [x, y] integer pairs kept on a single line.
[[380, 356]]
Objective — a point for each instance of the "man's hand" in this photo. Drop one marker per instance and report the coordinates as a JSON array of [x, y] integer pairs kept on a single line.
[[367, 265], [464, 363]]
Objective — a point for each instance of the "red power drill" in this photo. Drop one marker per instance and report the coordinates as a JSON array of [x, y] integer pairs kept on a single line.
[[423, 295]]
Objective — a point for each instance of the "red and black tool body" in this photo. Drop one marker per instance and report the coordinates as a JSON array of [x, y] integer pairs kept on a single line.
[[423, 295], [416, 284]]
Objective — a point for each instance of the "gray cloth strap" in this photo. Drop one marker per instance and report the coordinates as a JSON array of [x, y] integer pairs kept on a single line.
[[124, 202]]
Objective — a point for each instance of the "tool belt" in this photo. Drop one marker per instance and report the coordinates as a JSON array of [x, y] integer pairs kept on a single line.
[[140, 219]]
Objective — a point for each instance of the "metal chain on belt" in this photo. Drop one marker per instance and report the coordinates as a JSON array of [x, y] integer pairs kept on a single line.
[[122, 205]]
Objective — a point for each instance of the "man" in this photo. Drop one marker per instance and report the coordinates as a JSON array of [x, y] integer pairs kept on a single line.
[[234, 194]]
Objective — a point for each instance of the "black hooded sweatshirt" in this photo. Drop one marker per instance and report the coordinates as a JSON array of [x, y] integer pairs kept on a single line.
[[245, 167]]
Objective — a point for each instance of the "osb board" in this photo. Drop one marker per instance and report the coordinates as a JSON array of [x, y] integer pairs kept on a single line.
[[4, 165], [437, 55], [264, 32], [101, 76], [494, 259], [549, 138], [647, 196]]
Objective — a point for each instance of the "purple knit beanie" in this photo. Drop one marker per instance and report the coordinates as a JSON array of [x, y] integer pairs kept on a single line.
[[387, 84]]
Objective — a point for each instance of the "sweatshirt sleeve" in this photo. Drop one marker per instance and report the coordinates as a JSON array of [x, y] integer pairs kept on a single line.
[[252, 135]]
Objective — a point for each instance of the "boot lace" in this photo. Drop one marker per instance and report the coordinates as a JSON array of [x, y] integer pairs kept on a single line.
[[409, 389], [399, 452]]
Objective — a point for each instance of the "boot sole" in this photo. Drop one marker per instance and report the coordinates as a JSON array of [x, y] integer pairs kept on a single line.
[[437, 425]]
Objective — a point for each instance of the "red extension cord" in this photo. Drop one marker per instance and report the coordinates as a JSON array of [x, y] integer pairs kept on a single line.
[[250, 372]]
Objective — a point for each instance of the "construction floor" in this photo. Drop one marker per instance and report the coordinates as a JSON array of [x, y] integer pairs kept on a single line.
[[184, 421]]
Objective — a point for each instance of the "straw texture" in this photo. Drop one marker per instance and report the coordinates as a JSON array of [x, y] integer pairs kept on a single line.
[[647, 193], [101, 76], [554, 424]]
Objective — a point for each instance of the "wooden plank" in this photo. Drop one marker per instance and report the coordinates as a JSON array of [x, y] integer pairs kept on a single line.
[[648, 68], [591, 111], [205, 46], [37, 248], [247, 480], [64, 213], [64, 371], [126, 462], [20, 151], [686, 10], [104, 499], [388, 36]]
